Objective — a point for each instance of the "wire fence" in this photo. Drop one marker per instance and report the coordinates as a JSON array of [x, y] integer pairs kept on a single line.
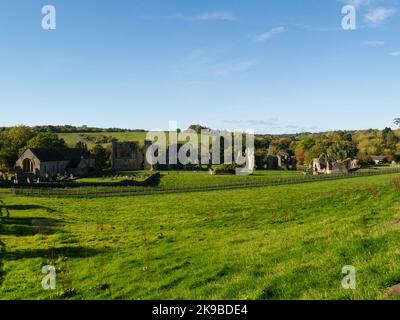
[[129, 191]]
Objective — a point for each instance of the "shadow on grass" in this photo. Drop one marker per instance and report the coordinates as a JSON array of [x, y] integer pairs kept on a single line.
[[5, 210], [155, 181], [28, 226], [21, 207], [54, 253], [299, 278]]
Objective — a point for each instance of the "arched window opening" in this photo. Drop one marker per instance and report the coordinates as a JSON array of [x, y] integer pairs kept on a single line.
[[27, 166]]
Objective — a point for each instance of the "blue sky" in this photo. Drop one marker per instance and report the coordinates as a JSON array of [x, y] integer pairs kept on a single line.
[[276, 66]]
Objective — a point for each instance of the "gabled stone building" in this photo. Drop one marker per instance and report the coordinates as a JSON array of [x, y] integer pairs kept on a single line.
[[44, 163]]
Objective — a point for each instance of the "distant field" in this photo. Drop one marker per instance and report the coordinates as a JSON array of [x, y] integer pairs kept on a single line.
[[100, 180], [138, 176], [281, 242], [73, 138], [190, 179], [180, 180]]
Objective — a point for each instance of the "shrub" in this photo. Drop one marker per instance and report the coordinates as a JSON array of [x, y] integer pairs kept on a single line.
[[226, 167], [365, 159]]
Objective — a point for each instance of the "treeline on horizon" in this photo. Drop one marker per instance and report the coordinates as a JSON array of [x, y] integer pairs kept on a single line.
[[340, 145], [196, 127], [74, 129], [15, 140], [360, 144]]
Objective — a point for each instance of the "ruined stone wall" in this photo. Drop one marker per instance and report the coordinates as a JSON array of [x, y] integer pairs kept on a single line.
[[127, 156]]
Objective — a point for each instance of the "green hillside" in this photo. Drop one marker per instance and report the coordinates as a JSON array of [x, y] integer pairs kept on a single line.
[[73, 138], [282, 242]]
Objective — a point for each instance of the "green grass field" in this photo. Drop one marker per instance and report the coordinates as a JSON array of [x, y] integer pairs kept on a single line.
[[138, 176], [282, 242], [72, 138], [191, 179], [172, 180], [181, 180]]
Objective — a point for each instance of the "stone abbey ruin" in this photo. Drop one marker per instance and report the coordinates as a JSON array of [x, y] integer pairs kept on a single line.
[[127, 156], [327, 165], [134, 155]]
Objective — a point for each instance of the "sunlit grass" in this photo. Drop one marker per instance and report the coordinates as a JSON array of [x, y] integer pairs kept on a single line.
[[282, 242]]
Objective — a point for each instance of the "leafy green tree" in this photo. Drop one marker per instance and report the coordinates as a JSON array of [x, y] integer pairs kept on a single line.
[[389, 139], [46, 140], [347, 136], [281, 144], [14, 141], [100, 157], [81, 145], [7, 158], [17, 137], [372, 145], [261, 143], [305, 143], [340, 148]]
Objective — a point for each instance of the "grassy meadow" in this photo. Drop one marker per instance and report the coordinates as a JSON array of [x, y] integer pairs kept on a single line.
[[72, 139], [281, 242], [202, 178]]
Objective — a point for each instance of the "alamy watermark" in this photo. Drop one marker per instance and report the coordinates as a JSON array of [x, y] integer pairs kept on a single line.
[[349, 21], [349, 280], [49, 281], [208, 147], [49, 21]]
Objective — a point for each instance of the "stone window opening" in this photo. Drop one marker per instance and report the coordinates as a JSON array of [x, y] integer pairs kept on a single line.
[[27, 166]]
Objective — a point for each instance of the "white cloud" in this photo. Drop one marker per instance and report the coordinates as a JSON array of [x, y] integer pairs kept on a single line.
[[232, 67], [394, 54], [212, 63], [378, 16], [269, 34], [210, 16], [373, 43]]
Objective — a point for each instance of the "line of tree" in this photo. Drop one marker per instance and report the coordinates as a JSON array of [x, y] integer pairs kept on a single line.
[[74, 129], [15, 140], [361, 144]]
